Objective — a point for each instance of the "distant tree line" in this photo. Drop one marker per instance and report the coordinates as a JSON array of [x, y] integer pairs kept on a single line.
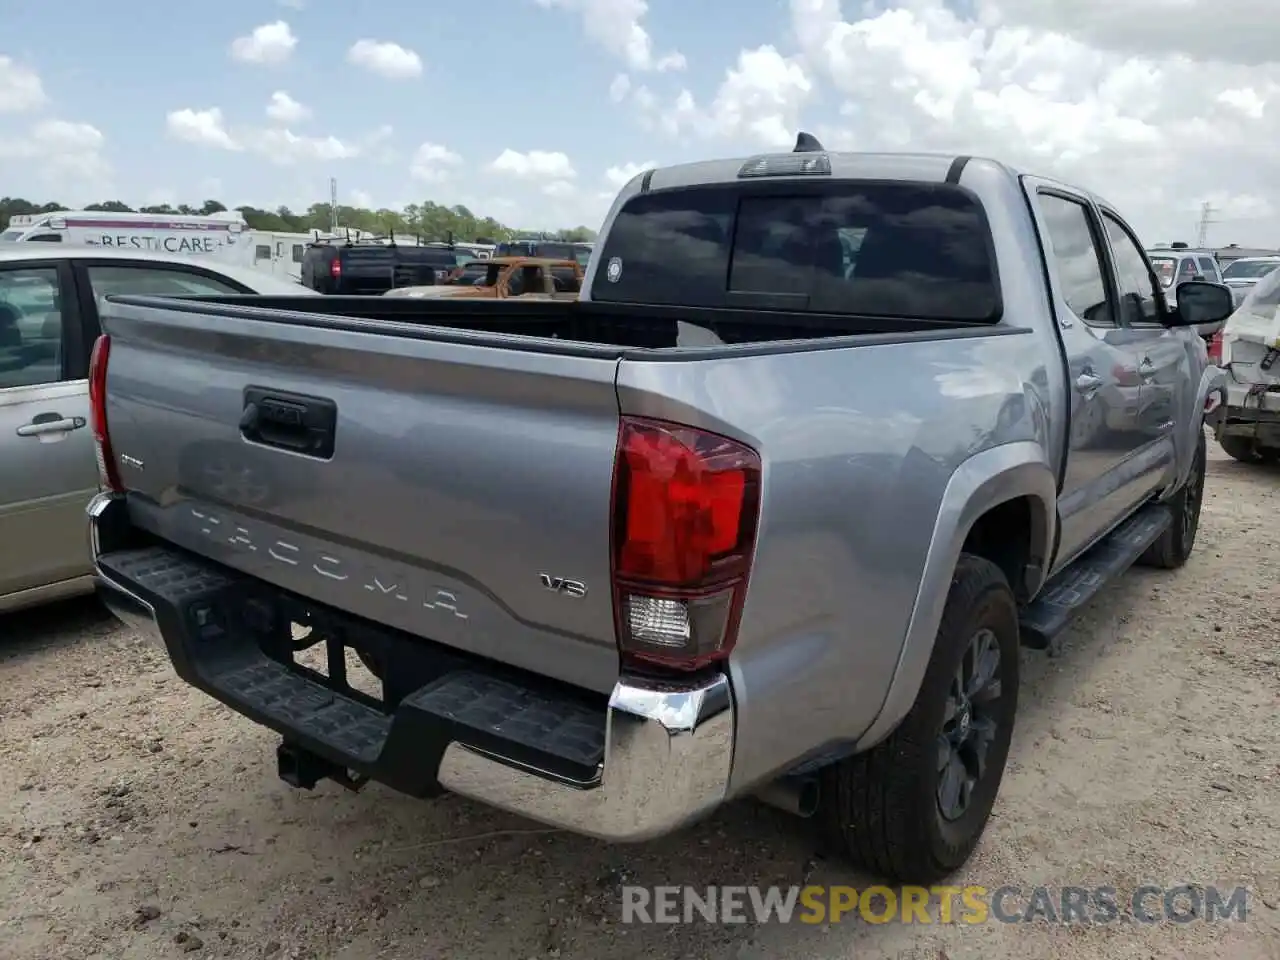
[[432, 221]]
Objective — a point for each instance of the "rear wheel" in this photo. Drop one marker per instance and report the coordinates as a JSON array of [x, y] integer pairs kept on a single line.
[[1239, 448], [913, 807]]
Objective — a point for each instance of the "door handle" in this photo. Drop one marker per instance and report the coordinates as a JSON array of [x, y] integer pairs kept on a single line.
[[44, 427], [1088, 383]]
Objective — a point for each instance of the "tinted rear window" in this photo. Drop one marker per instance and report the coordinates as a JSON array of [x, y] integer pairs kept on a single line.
[[875, 249]]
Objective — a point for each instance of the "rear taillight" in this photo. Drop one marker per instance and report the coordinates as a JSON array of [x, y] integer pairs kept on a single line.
[[108, 473], [1126, 376], [335, 269], [1215, 348], [685, 508]]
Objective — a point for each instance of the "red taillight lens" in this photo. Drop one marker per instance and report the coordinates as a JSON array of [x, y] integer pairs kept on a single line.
[[335, 269], [686, 505], [1126, 376], [108, 473], [1215, 347]]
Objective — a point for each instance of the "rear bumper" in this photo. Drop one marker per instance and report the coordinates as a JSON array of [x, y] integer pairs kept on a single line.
[[1254, 417], [652, 759]]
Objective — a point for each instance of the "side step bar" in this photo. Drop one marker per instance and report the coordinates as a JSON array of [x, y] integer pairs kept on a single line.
[[1044, 620]]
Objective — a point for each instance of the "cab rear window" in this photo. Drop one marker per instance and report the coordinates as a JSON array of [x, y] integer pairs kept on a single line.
[[907, 250]]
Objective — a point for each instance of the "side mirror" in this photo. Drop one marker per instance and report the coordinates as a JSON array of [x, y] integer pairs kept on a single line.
[[1201, 305]]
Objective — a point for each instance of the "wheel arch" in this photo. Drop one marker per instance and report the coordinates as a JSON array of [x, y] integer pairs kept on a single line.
[[1010, 487]]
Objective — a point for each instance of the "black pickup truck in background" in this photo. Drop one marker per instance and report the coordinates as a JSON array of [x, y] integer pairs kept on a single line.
[[365, 267]]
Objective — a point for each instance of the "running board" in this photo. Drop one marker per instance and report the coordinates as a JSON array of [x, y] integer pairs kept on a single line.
[[1044, 619]]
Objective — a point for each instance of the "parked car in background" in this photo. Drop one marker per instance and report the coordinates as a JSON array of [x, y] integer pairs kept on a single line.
[[1175, 265], [611, 581], [373, 266], [1247, 425], [502, 277], [547, 249], [1241, 275], [49, 300]]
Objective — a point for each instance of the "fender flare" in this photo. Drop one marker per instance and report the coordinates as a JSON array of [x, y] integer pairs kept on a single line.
[[1212, 381], [985, 480]]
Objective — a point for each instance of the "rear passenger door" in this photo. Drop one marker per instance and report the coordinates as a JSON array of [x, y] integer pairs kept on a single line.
[[1109, 466], [1164, 355], [47, 467]]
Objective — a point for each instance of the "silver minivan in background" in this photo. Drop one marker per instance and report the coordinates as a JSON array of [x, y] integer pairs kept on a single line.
[[1243, 275]]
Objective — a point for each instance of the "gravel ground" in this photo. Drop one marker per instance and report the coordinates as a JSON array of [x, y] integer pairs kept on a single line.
[[140, 820]]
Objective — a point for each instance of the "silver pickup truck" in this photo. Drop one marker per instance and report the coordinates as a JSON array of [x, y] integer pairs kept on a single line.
[[768, 512]]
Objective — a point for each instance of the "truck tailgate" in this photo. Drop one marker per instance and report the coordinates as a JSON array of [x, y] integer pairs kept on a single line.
[[468, 483]]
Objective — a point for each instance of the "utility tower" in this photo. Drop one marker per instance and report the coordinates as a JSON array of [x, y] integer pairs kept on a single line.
[[1206, 218], [333, 206]]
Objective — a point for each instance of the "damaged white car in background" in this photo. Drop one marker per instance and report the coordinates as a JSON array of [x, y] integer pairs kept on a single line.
[[1247, 424]]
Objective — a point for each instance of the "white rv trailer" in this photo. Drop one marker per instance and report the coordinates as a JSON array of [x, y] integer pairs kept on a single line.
[[218, 234], [222, 236]]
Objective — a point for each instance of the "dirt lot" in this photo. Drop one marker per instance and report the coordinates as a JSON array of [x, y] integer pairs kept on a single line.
[[140, 820]]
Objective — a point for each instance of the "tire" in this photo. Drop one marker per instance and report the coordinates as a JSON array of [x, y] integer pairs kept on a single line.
[[884, 808], [1239, 448], [1175, 544]]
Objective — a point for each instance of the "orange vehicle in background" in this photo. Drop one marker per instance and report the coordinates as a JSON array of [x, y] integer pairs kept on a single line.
[[506, 278]]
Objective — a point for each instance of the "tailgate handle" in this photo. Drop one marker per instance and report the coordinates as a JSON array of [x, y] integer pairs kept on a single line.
[[289, 421]]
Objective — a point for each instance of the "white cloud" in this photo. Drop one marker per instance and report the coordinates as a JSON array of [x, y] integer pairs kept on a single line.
[[284, 109], [619, 88], [203, 127], [284, 148], [559, 189], [270, 43], [759, 101], [433, 163], [621, 175], [1157, 113], [20, 87], [1238, 31], [66, 153], [618, 27], [1246, 100], [534, 165], [278, 145], [293, 4], [389, 60], [359, 198]]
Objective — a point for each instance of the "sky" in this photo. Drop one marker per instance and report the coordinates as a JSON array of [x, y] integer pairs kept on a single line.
[[535, 111]]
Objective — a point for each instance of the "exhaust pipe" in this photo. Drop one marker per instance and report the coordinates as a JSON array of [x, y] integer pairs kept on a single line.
[[797, 796]]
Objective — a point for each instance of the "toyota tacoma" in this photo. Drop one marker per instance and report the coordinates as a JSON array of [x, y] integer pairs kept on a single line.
[[768, 511]]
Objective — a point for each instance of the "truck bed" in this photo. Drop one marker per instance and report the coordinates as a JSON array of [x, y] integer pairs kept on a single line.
[[466, 469], [577, 322]]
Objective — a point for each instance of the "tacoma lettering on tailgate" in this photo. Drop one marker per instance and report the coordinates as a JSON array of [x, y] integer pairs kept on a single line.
[[323, 563]]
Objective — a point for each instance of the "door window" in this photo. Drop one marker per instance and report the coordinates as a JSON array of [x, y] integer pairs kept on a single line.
[[1077, 259], [1209, 269], [30, 327], [1137, 286]]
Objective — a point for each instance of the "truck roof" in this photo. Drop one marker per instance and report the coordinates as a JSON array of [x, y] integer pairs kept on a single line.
[[845, 165]]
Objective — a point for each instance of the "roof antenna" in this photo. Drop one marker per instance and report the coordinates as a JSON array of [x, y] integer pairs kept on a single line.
[[808, 143]]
